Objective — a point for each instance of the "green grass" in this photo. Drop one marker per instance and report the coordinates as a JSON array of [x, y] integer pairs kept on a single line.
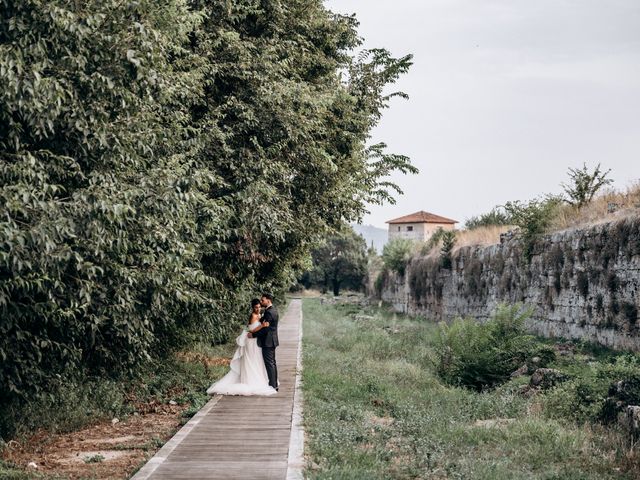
[[375, 409]]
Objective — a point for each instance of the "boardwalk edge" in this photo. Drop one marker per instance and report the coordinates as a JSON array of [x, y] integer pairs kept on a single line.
[[161, 455], [295, 467]]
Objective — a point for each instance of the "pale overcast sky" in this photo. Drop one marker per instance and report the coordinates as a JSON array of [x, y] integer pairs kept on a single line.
[[505, 95]]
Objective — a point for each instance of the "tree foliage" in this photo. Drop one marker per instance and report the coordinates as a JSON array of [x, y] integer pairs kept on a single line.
[[338, 262], [160, 162]]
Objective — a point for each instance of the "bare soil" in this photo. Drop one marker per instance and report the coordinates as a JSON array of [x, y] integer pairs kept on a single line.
[[105, 450]]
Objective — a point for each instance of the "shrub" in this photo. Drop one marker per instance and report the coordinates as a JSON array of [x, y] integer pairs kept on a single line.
[[497, 216], [583, 185], [481, 356], [599, 394], [532, 218], [396, 255], [448, 242]]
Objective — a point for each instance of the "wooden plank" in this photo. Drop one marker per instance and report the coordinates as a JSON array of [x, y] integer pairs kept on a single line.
[[238, 437]]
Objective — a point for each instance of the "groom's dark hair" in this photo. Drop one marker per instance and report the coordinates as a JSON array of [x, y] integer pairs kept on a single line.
[[268, 295]]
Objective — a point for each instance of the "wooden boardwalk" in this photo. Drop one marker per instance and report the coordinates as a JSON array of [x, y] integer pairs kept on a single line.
[[235, 437]]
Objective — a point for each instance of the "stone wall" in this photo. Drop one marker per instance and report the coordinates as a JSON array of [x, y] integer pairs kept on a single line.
[[581, 284]]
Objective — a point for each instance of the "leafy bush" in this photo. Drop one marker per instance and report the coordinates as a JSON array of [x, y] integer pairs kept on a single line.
[[483, 355], [396, 255], [497, 216], [599, 393], [532, 218], [583, 184]]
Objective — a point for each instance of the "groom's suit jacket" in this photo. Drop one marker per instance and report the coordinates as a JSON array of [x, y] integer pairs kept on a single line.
[[268, 337]]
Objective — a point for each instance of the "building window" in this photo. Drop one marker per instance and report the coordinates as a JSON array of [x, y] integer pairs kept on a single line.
[[399, 228], [410, 229]]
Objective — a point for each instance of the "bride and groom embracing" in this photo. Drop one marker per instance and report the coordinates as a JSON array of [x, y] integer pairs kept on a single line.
[[253, 366]]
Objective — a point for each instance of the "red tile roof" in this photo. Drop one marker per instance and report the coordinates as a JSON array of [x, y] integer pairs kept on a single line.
[[422, 217]]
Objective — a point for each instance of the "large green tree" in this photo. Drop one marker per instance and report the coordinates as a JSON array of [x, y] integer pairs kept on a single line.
[[161, 162], [338, 262]]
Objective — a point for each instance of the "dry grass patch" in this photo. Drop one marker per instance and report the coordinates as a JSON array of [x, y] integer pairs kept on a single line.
[[611, 205], [482, 236]]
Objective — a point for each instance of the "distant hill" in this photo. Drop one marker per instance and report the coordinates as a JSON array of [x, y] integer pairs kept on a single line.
[[375, 235]]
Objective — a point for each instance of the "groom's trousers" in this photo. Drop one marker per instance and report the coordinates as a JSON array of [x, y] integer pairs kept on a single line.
[[269, 356]]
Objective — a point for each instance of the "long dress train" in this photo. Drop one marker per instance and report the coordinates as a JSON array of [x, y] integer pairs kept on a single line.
[[248, 375]]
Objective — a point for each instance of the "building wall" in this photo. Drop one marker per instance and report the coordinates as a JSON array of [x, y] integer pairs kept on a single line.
[[581, 284], [416, 231]]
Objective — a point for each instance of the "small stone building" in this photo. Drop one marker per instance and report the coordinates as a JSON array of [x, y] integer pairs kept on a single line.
[[418, 226]]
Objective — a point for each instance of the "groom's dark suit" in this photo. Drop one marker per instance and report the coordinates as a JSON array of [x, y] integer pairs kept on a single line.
[[268, 341]]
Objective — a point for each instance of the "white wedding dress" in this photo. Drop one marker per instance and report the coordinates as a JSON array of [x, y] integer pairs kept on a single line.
[[248, 375]]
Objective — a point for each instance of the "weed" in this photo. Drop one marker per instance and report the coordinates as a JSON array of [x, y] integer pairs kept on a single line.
[[97, 458]]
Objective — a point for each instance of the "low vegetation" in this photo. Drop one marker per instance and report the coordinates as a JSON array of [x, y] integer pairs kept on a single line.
[[378, 406], [483, 355], [86, 413], [609, 204]]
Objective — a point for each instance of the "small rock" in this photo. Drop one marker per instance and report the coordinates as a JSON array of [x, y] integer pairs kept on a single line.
[[172, 402], [114, 421], [523, 370], [32, 465], [535, 360], [546, 378]]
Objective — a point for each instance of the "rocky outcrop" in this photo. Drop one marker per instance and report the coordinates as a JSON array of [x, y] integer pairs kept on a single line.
[[580, 284]]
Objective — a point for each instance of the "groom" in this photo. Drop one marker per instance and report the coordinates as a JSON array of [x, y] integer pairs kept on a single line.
[[268, 338]]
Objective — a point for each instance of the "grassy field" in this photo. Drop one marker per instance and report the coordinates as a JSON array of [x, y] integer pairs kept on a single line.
[[375, 409]]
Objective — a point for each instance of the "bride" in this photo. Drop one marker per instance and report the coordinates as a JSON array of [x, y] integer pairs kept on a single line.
[[248, 375]]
